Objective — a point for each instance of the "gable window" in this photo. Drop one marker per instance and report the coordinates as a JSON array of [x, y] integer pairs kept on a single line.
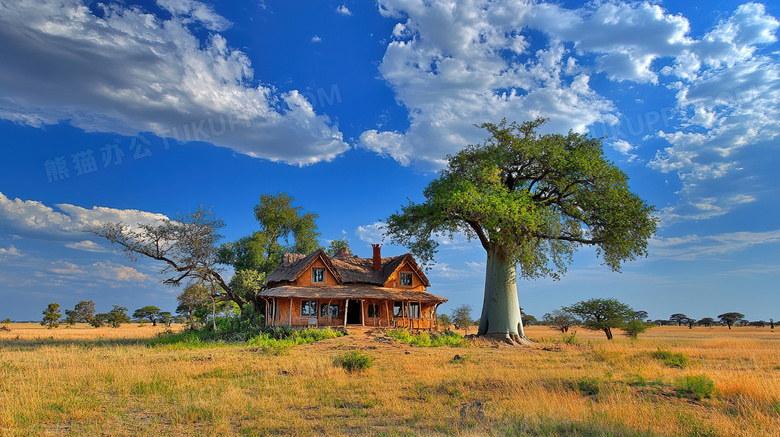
[[414, 310], [373, 311], [334, 310], [309, 308], [398, 309], [318, 275], [406, 279]]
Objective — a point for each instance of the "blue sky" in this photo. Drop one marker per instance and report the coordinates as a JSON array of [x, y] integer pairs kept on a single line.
[[131, 111]]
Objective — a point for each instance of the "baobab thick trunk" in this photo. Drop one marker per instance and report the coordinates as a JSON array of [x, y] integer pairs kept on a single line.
[[500, 317]]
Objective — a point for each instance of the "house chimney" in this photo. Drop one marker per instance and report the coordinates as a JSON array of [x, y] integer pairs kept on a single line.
[[377, 256]]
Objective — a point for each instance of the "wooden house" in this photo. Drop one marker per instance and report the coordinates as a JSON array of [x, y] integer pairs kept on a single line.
[[343, 290]]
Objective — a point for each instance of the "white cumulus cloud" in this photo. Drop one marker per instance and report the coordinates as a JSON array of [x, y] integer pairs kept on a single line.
[[31, 217], [126, 70]]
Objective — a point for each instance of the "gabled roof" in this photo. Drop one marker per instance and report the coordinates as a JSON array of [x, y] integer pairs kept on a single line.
[[345, 268], [293, 265]]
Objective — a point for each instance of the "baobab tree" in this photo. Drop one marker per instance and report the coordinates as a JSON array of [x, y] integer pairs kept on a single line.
[[531, 200]]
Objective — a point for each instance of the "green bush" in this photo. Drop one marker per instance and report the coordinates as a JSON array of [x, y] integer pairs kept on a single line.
[[426, 339], [671, 359], [696, 386], [354, 361], [588, 386], [570, 338]]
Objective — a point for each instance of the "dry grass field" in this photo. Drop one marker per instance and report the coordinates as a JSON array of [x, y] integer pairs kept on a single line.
[[87, 381]]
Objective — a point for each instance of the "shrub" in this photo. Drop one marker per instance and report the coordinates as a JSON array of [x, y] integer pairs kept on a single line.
[[696, 386], [354, 361], [588, 386], [671, 359], [425, 339], [634, 327], [570, 338]]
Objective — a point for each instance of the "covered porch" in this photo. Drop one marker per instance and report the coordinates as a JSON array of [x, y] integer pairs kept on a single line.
[[368, 306]]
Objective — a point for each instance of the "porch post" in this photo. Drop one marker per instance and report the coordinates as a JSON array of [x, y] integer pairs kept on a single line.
[[362, 313], [291, 300], [346, 309]]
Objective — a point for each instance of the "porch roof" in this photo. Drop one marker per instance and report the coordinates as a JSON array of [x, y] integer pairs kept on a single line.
[[349, 291]]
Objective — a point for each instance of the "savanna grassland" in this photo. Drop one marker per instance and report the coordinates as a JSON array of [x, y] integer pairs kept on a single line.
[[673, 381]]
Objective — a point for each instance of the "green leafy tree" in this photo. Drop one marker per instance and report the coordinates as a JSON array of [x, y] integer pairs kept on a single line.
[[283, 228], [634, 327], [166, 318], [149, 312], [445, 322], [679, 318], [99, 320], [560, 319], [193, 297], [117, 316], [729, 319], [640, 315], [461, 317], [336, 245], [707, 321], [51, 315], [602, 314], [83, 312], [531, 200]]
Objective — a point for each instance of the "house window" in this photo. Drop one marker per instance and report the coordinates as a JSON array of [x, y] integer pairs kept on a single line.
[[309, 308], [334, 310], [373, 311], [318, 275], [414, 310], [406, 279], [398, 309]]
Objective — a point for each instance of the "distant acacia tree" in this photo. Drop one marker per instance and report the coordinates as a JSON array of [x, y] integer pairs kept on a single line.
[[560, 319], [730, 318], [758, 323], [602, 314], [445, 322], [51, 315], [679, 318], [461, 317], [640, 315], [117, 316], [166, 317], [707, 321], [149, 312], [193, 297], [634, 327], [83, 312]]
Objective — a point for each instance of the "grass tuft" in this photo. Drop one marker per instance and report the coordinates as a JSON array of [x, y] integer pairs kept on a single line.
[[425, 339], [695, 386], [354, 361], [671, 359]]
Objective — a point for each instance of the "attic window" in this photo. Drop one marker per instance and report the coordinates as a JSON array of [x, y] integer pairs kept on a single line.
[[318, 275], [406, 279]]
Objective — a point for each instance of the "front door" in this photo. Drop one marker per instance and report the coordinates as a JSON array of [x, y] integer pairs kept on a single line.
[[353, 312]]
